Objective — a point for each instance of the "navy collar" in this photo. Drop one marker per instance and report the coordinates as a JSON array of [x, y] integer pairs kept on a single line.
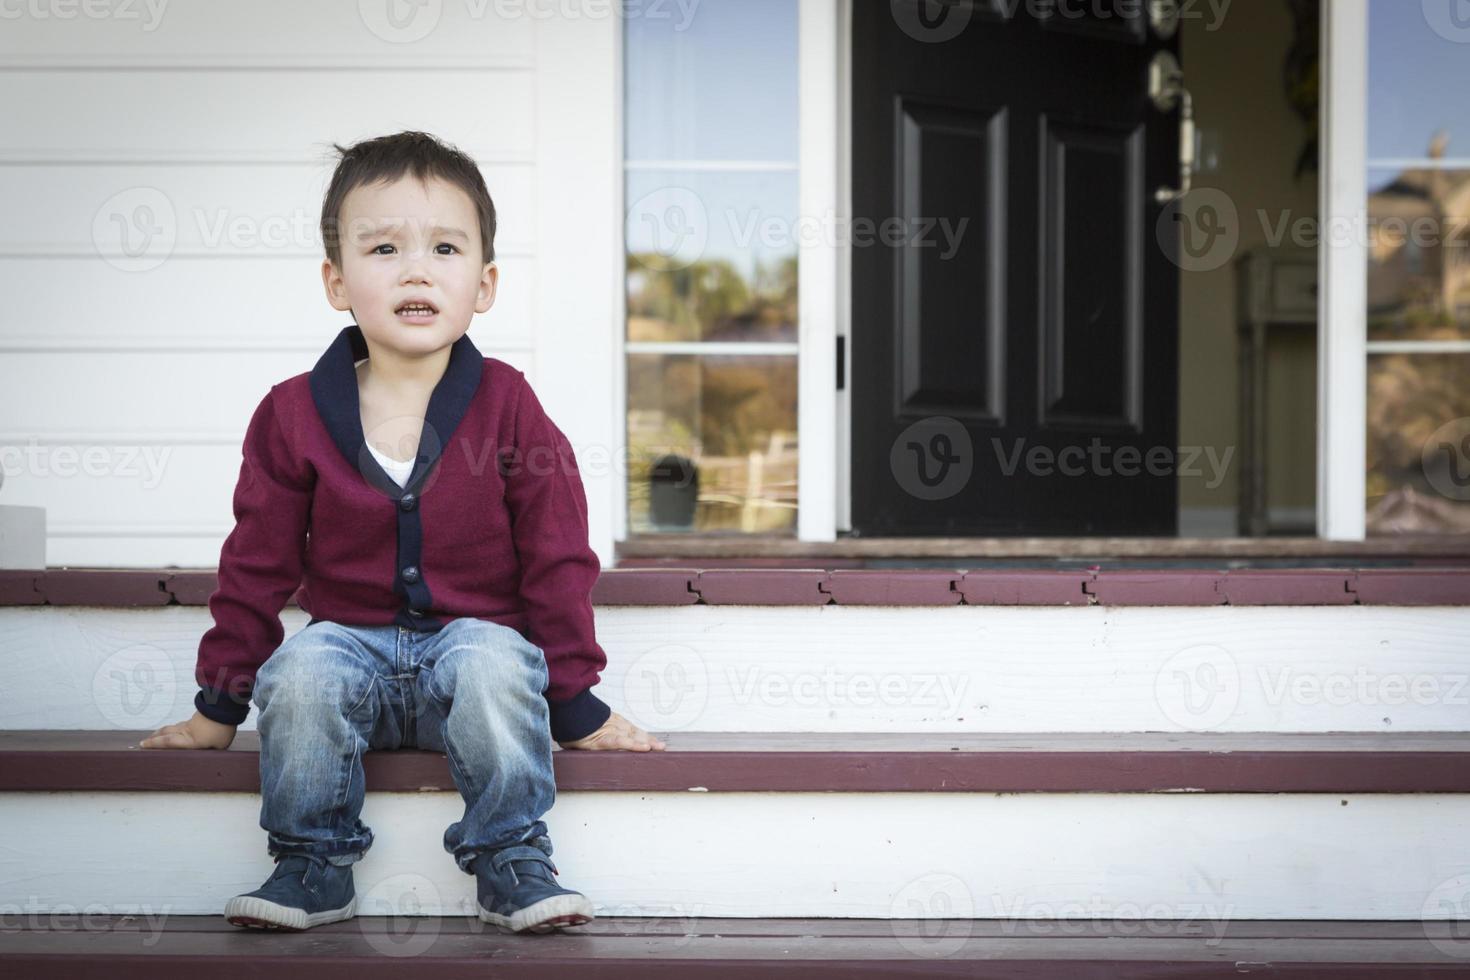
[[334, 389]]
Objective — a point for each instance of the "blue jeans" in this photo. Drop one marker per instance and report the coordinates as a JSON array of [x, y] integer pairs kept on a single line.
[[473, 690]]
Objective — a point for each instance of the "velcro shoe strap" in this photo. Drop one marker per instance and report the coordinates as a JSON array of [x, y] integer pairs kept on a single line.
[[520, 852]]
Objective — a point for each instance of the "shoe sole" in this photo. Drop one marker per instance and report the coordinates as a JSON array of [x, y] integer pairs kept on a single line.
[[547, 915], [253, 912]]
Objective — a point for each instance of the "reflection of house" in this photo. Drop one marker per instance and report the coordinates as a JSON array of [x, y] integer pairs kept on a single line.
[[1418, 256], [1407, 511]]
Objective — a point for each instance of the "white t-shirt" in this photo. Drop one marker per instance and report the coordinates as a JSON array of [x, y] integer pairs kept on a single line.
[[399, 471]]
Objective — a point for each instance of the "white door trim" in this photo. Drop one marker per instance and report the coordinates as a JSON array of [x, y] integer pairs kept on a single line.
[[822, 297], [618, 485], [818, 281], [843, 487], [1342, 312]]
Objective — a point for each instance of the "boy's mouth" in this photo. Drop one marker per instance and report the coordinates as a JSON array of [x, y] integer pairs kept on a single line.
[[417, 311]]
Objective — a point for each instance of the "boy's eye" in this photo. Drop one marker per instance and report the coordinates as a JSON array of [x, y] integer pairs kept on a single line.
[[386, 245]]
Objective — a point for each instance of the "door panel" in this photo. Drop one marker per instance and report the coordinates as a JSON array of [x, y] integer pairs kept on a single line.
[[1090, 288], [1022, 331], [952, 162]]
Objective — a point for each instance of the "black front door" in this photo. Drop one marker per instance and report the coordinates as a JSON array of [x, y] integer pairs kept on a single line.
[[1014, 310]]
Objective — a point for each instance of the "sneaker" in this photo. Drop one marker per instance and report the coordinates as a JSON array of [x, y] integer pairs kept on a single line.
[[304, 891], [516, 891]]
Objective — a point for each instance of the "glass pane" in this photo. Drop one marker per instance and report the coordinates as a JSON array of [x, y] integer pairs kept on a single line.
[[712, 256], [1418, 64], [717, 83], [1418, 253], [1418, 443], [712, 443]]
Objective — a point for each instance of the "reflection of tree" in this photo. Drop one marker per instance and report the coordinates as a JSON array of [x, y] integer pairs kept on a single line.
[[1409, 397], [745, 402], [718, 410], [710, 300]]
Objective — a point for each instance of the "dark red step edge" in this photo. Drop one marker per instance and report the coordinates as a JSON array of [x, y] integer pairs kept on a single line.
[[852, 587]]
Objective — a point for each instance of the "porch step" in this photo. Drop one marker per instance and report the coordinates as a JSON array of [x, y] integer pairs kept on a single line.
[[450, 948], [1219, 828], [801, 762], [854, 667], [1072, 745]]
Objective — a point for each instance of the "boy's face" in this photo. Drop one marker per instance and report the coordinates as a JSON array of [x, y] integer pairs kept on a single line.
[[410, 240]]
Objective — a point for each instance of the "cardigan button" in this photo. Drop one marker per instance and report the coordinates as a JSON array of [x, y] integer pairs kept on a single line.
[[408, 501], [411, 574]]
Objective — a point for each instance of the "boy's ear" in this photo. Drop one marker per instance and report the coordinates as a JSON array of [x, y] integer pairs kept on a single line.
[[488, 282], [336, 288]]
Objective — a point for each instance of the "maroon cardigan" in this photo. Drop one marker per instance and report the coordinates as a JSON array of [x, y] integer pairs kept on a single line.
[[492, 524]]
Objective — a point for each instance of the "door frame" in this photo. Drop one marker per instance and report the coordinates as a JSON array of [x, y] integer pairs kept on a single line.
[[822, 278], [1342, 275], [1342, 269], [824, 490]]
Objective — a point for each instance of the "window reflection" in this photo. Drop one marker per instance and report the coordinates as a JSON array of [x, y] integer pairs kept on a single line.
[[718, 85], [1418, 399], [1418, 443], [1415, 77], [726, 423], [712, 256], [711, 237], [1419, 254]]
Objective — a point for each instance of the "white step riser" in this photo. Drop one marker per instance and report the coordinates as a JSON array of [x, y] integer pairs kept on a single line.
[[877, 669], [1083, 856]]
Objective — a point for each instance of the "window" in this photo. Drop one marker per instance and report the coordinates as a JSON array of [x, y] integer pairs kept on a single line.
[[1418, 223], [710, 186]]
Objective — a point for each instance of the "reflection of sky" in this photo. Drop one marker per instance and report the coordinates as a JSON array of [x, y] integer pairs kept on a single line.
[[722, 88], [673, 213], [1417, 80]]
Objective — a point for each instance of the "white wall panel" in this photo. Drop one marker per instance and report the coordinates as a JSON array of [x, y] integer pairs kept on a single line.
[[269, 32], [162, 181]]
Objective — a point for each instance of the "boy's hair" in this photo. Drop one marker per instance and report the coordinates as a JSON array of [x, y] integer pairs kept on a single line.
[[387, 158]]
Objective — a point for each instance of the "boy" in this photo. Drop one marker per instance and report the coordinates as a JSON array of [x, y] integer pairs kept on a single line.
[[435, 520]]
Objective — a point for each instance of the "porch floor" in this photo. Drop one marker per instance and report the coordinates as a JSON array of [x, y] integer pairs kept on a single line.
[[614, 947]]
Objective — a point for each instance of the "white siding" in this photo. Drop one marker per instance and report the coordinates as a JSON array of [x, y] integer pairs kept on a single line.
[[126, 380]]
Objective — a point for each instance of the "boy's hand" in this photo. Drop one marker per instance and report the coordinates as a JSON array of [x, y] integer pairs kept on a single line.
[[198, 732], [617, 733]]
